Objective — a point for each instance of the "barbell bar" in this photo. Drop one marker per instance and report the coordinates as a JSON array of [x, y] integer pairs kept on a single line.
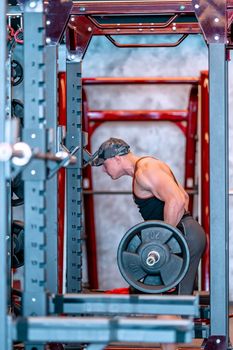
[[20, 153]]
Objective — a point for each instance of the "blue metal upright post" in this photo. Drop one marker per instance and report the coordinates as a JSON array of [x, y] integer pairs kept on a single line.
[[74, 178], [219, 188], [52, 184], [34, 133], [4, 189]]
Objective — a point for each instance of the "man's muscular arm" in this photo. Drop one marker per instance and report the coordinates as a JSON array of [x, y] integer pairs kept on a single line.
[[173, 211], [163, 186]]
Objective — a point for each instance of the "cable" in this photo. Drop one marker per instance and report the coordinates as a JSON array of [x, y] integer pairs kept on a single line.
[[18, 36]]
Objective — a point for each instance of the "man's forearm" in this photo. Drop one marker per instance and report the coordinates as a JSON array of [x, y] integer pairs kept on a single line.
[[173, 212]]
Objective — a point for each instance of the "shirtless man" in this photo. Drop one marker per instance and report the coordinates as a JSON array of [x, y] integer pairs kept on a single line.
[[158, 196]]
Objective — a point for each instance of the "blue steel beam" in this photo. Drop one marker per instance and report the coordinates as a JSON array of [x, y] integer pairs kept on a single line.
[[34, 134], [52, 184], [219, 188], [74, 177], [102, 330], [4, 188], [101, 304]]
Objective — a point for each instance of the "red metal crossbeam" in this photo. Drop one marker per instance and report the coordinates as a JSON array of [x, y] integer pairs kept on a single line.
[[141, 80], [137, 115], [131, 7]]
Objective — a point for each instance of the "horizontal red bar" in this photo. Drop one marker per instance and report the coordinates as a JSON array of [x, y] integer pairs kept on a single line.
[[142, 80], [135, 115], [181, 28], [131, 7]]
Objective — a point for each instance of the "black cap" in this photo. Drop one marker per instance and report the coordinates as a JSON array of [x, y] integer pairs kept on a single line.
[[109, 149]]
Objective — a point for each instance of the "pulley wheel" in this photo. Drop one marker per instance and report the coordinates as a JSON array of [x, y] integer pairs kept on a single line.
[[153, 257]]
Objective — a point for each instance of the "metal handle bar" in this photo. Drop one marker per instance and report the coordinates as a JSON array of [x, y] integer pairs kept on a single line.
[[133, 25], [114, 42]]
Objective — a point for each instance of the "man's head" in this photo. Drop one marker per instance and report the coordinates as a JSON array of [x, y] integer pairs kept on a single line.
[[109, 149], [112, 156]]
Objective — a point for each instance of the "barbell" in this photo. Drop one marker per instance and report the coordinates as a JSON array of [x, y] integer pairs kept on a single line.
[[153, 257]]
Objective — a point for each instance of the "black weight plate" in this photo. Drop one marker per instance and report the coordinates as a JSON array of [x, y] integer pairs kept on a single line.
[[132, 261], [16, 73], [17, 187], [17, 109], [174, 246], [134, 244], [153, 280], [161, 235], [170, 269], [17, 244], [170, 272]]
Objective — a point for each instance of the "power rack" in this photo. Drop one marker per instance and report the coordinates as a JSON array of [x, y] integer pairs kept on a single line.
[[44, 25]]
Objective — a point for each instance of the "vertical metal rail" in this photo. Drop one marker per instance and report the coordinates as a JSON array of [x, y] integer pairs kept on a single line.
[[11, 138], [34, 133], [4, 173], [74, 178], [190, 148], [52, 184], [61, 183], [219, 208], [205, 177], [88, 204]]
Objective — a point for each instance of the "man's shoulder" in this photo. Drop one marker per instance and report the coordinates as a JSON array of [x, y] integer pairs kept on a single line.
[[147, 176], [147, 164], [145, 170]]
